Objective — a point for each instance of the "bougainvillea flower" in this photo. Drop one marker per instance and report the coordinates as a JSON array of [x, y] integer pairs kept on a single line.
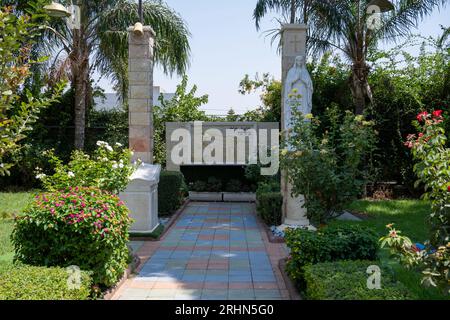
[[422, 116], [437, 113]]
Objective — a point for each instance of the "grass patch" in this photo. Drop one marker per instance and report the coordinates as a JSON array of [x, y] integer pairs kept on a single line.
[[409, 216], [11, 204]]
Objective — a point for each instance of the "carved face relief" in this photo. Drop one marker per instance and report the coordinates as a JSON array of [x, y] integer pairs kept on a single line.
[[300, 61]]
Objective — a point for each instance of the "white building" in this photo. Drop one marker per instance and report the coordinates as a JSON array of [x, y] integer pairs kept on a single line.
[[112, 102]]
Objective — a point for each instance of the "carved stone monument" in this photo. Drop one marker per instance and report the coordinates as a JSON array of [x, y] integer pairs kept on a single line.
[[297, 81], [298, 91]]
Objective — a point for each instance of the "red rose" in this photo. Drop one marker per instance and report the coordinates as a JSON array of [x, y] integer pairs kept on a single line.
[[422, 116], [448, 188], [437, 113]]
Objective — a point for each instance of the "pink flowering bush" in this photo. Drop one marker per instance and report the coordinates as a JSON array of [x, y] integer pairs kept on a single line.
[[433, 170], [85, 227]]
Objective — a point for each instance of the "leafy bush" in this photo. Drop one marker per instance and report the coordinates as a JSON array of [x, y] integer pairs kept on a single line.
[[267, 187], [269, 207], [171, 191], [327, 167], [108, 169], [347, 280], [432, 156], [214, 185], [234, 186], [198, 186], [184, 106], [22, 282], [346, 242], [85, 227], [19, 107]]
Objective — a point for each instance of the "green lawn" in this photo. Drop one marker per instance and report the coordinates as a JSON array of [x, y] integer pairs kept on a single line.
[[409, 216], [11, 204]]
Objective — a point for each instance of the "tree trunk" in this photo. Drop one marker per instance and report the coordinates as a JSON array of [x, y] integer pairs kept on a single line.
[[293, 10], [359, 85], [80, 79]]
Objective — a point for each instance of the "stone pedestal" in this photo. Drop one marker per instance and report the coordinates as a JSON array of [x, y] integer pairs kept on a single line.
[[141, 197], [293, 45], [140, 95]]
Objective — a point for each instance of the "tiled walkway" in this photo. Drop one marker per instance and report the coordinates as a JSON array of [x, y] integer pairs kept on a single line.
[[214, 251]]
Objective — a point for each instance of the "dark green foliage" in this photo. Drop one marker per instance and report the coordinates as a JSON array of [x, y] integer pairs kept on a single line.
[[198, 186], [171, 191], [233, 186], [269, 207], [22, 282], [214, 185], [199, 176], [346, 242], [270, 111], [400, 93], [347, 280], [84, 227]]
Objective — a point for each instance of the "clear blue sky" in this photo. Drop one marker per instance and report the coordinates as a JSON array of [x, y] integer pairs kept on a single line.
[[226, 46]]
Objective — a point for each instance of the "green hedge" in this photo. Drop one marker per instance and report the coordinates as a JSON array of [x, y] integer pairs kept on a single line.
[[22, 282], [347, 242], [171, 191], [347, 280], [269, 207]]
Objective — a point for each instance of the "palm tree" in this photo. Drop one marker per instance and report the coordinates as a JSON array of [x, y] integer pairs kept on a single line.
[[291, 10], [345, 25], [101, 44]]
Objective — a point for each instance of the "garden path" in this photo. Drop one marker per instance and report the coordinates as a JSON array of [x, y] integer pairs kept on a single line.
[[214, 251]]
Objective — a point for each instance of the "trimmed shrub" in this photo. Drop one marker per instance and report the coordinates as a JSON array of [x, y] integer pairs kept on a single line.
[[84, 227], [347, 242], [234, 186], [171, 191], [347, 280], [269, 207], [22, 282]]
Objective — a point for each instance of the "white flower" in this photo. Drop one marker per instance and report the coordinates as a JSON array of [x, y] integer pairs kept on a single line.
[[115, 166], [121, 165], [40, 176], [71, 174], [101, 143], [109, 148], [119, 145], [2, 165]]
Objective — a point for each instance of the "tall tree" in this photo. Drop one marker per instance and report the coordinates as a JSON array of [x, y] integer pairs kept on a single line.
[[101, 44], [293, 11], [348, 26]]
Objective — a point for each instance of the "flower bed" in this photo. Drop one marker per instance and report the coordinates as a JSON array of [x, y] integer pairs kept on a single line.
[[85, 227]]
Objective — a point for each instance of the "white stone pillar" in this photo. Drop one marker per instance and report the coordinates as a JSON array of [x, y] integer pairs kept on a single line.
[[293, 45], [140, 94]]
